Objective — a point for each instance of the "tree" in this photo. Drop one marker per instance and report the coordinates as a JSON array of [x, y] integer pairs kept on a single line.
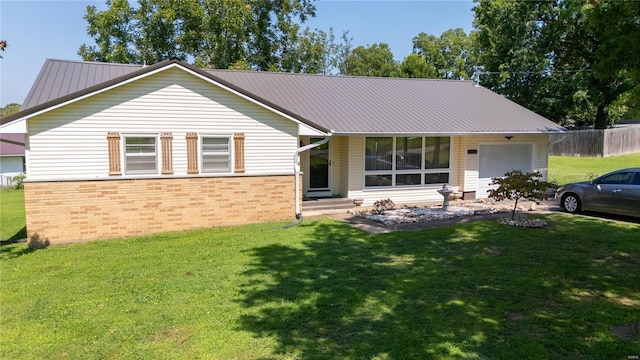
[[416, 66], [516, 185], [3, 45], [373, 60], [567, 60], [212, 33], [343, 50], [449, 54], [9, 109], [113, 31], [311, 52]]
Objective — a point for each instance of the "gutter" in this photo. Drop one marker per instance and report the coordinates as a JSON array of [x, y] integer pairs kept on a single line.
[[296, 168]]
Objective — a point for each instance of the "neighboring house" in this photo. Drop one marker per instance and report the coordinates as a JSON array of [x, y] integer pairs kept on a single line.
[[117, 150], [11, 157]]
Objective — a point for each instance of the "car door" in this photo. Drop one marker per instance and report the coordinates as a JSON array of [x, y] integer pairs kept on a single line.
[[631, 196], [608, 192]]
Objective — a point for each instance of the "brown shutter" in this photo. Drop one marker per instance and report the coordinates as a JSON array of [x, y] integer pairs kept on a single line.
[[167, 153], [238, 146], [113, 138], [192, 153]]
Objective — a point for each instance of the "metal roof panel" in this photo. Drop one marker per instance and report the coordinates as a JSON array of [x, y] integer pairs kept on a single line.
[[343, 104]]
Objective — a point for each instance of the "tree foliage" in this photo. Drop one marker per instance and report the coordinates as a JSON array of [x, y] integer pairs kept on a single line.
[[516, 185], [211, 33], [570, 60], [373, 60], [3, 45], [447, 57], [9, 109]]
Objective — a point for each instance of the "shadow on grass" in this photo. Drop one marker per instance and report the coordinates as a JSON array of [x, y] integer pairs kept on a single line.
[[18, 236], [31, 245], [480, 290]]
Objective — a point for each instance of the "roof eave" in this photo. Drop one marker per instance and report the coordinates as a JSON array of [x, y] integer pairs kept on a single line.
[[470, 133]]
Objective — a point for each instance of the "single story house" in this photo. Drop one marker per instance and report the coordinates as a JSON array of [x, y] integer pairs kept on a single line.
[[117, 150], [12, 161]]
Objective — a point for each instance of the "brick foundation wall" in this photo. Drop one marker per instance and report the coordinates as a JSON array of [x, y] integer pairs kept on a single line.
[[73, 211]]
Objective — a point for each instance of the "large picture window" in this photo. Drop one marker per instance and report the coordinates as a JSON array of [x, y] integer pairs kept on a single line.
[[216, 154], [141, 154], [406, 161]]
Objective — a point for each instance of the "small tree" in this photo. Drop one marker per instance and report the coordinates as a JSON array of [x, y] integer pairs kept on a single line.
[[516, 185], [3, 45]]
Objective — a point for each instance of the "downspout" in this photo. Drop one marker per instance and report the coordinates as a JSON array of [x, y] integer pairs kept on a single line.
[[296, 168]]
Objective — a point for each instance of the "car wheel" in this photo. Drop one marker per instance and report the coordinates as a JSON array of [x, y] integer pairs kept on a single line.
[[571, 203]]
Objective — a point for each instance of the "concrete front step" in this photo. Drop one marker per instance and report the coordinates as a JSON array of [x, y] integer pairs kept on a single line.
[[327, 204]]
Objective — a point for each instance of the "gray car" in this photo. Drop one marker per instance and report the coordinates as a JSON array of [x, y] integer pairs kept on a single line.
[[617, 192]]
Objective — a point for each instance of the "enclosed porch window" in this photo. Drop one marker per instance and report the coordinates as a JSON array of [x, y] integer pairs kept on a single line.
[[406, 161]]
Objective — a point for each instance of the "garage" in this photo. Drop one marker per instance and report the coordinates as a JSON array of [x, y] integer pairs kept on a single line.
[[494, 160]]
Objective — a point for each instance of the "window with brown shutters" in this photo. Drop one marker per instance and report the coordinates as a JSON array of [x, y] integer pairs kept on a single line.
[[238, 147], [140, 154], [113, 139], [192, 153], [166, 139]]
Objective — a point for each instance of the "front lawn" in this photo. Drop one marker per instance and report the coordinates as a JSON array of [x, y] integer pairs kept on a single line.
[[567, 169], [12, 220], [324, 290]]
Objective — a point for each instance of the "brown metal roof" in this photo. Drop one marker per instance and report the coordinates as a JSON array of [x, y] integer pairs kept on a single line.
[[11, 144], [353, 105], [342, 104], [59, 78]]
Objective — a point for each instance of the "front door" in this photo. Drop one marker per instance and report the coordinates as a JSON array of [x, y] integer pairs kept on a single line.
[[319, 174]]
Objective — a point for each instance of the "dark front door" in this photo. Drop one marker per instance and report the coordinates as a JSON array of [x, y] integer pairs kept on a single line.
[[319, 170]]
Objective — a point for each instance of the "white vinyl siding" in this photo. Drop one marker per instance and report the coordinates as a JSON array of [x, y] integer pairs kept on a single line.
[[11, 165], [71, 142]]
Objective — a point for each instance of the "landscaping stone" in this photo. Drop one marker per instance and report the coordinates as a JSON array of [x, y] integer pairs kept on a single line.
[[432, 213]]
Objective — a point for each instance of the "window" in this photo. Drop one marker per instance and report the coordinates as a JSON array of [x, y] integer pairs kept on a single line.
[[622, 178], [216, 154], [406, 161], [141, 156]]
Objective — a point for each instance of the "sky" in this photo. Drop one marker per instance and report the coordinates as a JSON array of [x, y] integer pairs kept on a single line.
[[37, 30]]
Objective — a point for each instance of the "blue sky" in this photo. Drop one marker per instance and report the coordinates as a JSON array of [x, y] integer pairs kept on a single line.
[[37, 30]]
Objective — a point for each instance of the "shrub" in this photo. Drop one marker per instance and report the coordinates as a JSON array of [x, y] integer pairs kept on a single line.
[[381, 206], [516, 185], [18, 181]]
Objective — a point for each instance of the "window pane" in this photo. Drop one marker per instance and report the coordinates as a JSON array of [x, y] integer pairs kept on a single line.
[[377, 180], [378, 153], [141, 164], [436, 178], [408, 179], [216, 157], [617, 179], [437, 153], [140, 145], [140, 155], [408, 153], [217, 145]]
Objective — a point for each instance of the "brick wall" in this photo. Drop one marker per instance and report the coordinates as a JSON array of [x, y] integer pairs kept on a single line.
[[72, 211]]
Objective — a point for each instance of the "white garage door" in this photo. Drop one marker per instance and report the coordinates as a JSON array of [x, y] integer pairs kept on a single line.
[[497, 159]]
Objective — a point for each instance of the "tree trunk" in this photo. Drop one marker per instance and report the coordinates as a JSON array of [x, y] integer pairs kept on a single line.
[[601, 118], [515, 207]]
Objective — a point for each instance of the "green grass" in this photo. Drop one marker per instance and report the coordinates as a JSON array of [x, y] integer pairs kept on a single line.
[[12, 220], [567, 169], [324, 290]]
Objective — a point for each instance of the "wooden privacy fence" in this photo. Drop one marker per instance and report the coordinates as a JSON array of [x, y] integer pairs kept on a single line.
[[596, 143]]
